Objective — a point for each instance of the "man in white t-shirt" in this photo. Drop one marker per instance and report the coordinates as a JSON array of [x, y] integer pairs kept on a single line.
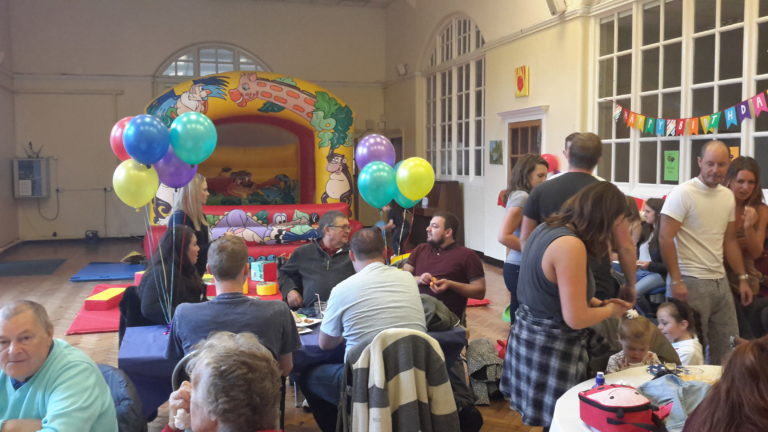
[[697, 228], [377, 297]]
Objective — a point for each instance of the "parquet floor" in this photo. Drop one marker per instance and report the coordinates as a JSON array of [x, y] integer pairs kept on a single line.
[[63, 299]]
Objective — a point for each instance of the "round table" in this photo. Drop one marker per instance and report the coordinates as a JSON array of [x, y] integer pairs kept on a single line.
[[566, 417]]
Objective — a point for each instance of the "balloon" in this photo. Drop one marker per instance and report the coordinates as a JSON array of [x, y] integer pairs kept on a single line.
[[135, 184], [377, 184], [146, 139], [552, 161], [374, 147], [193, 137], [415, 178], [174, 172], [400, 199], [116, 138]]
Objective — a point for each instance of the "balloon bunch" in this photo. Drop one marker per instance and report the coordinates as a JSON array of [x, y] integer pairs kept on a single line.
[[379, 182], [150, 153]]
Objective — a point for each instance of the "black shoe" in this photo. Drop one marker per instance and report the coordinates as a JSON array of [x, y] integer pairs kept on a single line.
[[470, 419]]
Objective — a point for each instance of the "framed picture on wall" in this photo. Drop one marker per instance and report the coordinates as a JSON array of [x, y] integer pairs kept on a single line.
[[495, 152]]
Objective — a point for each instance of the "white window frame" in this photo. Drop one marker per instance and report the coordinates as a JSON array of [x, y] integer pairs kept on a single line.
[[748, 81], [458, 44], [242, 59]]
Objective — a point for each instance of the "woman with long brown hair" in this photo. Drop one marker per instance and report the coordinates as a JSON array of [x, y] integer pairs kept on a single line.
[[546, 352], [529, 171], [739, 401], [188, 210]]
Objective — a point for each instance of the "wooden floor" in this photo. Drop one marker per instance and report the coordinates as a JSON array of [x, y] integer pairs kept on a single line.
[[63, 299]]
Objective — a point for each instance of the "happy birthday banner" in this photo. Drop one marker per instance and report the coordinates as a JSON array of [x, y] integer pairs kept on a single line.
[[690, 126]]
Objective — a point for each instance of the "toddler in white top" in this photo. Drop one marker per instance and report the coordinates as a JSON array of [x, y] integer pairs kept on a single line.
[[635, 336], [678, 322]]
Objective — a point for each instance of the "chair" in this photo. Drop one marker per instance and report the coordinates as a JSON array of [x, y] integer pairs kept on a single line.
[[127, 402], [130, 312], [416, 365]]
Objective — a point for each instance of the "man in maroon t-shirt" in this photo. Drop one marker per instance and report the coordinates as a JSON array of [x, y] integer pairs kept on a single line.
[[445, 270]]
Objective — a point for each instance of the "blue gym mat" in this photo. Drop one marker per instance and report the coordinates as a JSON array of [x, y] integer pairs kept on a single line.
[[30, 268], [101, 271]]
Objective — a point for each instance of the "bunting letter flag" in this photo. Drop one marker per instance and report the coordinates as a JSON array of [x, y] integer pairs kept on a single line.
[[743, 111], [714, 121], [616, 112], [693, 127], [704, 124], [730, 117], [758, 103], [660, 125], [671, 127], [639, 121], [631, 120], [680, 127], [650, 126]]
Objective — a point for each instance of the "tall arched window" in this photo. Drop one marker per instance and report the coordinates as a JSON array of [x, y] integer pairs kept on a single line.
[[455, 117], [205, 59]]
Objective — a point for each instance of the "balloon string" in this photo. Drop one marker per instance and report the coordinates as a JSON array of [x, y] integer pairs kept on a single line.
[[160, 283], [384, 233], [400, 239]]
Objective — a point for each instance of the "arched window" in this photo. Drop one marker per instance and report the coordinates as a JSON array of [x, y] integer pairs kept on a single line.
[[455, 81], [205, 59]]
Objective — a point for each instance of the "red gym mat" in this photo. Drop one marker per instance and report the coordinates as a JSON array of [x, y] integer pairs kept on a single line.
[[473, 302], [87, 321]]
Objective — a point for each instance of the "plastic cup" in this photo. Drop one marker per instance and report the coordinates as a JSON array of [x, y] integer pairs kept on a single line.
[[692, 374], [320, 307]]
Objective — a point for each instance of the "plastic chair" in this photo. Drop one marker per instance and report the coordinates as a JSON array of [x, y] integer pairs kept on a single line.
[[127, 401]]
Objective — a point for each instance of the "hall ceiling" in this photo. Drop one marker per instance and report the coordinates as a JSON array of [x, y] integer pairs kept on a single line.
[[379, 4]]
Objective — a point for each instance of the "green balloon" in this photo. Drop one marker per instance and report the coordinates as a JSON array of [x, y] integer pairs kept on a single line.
[[193, 137], [377, 184]]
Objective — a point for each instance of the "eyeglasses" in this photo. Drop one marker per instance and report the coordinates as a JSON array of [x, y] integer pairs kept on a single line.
[[341, 227]]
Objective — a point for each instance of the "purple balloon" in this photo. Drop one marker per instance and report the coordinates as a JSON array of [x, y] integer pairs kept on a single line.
[[174, 172], [374, 147]]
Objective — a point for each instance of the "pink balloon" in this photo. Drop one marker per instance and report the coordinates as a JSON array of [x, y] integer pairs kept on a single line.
[[116, 138], [374, 147]]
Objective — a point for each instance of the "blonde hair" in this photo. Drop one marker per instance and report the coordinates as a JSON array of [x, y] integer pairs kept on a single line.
[[638, 330], [187, 199]]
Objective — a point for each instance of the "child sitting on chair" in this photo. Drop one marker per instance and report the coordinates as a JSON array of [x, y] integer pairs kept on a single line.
[[679, 323], [635, 337]]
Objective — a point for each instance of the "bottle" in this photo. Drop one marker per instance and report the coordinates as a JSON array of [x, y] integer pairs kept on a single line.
[[599, 380]]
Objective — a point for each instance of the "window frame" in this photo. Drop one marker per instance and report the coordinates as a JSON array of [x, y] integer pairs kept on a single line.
[[748, 80], [457, 51]]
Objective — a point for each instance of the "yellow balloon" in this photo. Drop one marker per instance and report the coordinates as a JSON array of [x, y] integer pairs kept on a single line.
[[415, 178], [135, 184]]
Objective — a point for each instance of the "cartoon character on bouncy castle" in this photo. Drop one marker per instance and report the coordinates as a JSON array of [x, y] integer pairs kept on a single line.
[[339, 184], [241, 224], [170, 105]]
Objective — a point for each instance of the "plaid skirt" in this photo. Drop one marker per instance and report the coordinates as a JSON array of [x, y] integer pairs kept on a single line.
[[544, 360]]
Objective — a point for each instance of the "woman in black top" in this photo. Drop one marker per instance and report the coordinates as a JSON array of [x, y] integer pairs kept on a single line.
[[171, 278], [188, 210]]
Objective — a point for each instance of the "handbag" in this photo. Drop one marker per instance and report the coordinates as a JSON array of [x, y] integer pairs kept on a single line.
[[620, 408]]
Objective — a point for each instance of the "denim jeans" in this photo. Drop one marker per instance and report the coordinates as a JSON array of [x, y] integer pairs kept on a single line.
[[713, 300], [511, 274], [321, 386]]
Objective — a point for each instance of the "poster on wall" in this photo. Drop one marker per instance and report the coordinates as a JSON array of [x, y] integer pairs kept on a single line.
[[495, 153], [521, 81], [671, 165]]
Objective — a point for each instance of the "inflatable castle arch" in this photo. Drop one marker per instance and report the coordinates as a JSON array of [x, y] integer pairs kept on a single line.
[[316, 169]]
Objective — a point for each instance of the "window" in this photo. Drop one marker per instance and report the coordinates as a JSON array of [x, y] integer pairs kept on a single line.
[[455, 101], [524, 137], [675, 59], [205, 59]]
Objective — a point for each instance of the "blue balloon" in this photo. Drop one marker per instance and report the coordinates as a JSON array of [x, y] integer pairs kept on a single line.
[[146, 139], [401, 199], [193, 137], [376, 184]]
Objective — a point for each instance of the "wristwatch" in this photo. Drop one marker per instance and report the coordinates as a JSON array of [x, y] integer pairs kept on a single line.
[[744, 277]]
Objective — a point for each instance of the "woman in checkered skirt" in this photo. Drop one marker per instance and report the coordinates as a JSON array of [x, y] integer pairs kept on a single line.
[[546, 353]]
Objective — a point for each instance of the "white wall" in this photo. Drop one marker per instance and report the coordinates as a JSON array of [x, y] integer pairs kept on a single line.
[[9, 228], [517, 33], [83, 64]]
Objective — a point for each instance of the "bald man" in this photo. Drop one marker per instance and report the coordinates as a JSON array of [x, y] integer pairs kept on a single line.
[[698, 227]]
